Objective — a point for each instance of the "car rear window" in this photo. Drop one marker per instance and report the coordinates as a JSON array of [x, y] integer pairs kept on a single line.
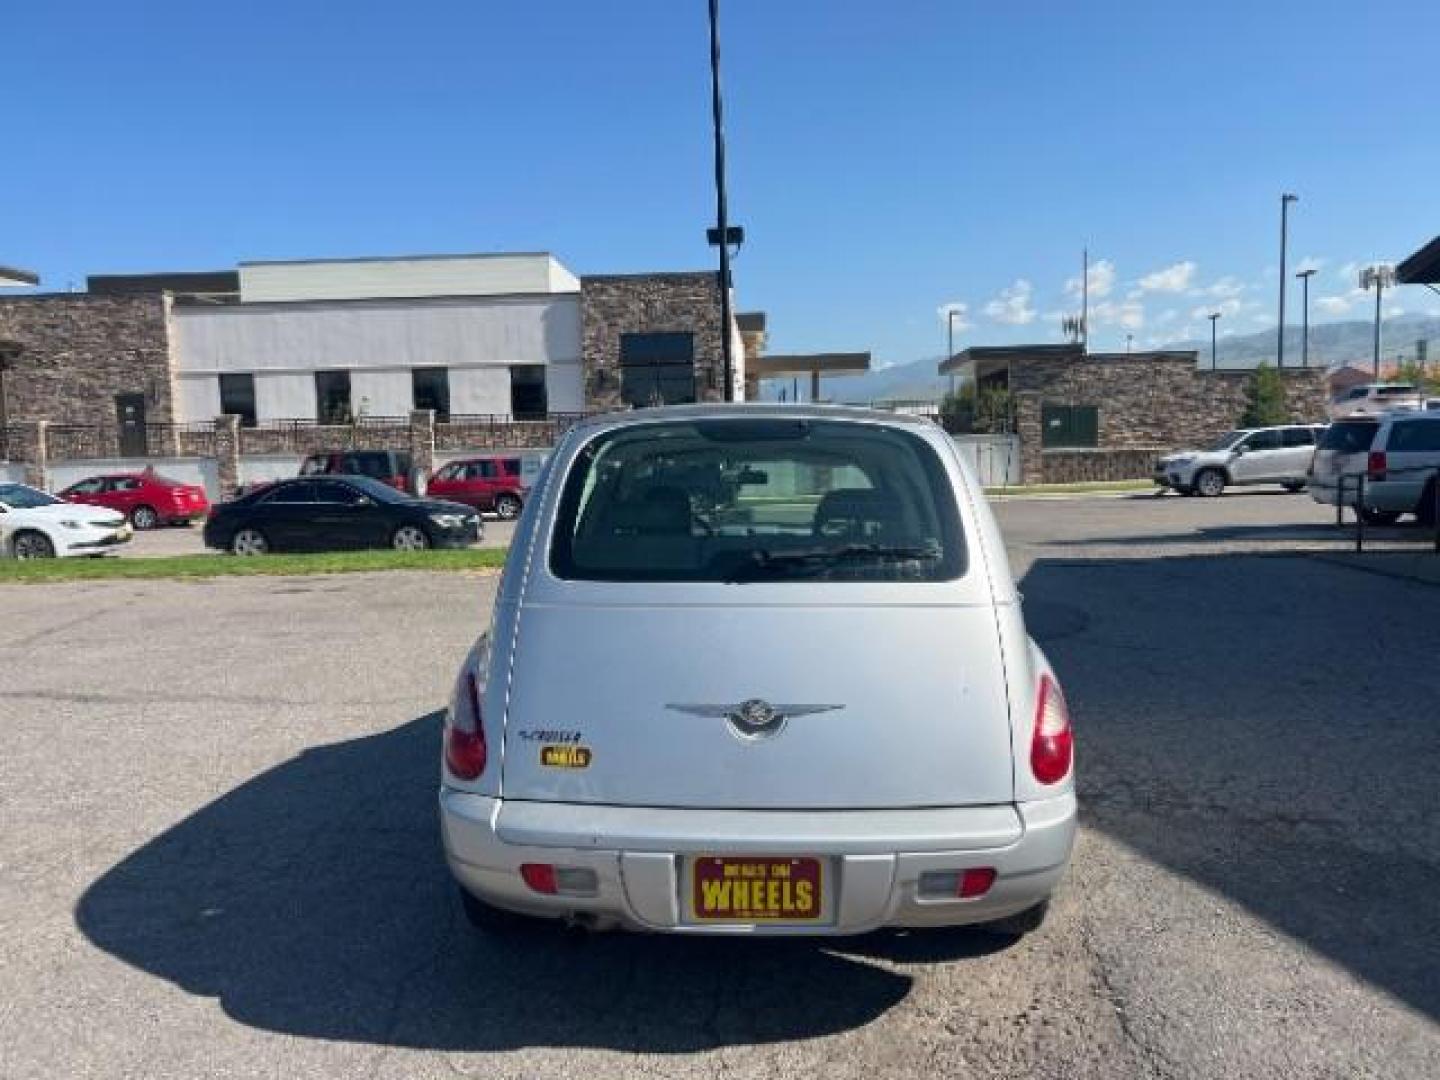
[[1349, 436], [1414, 437], [740, 500], [1395, 391]]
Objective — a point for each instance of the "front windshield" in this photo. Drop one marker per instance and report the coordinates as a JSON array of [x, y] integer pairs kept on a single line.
[[20, 497], [1225, 442], [758, 500]]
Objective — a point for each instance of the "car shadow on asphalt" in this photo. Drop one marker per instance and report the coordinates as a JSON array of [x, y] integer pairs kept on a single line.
[[313, 900], [1264, 727], [1342, 537]]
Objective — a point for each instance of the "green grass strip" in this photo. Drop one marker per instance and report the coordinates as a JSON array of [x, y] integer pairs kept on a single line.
[[209, 566]]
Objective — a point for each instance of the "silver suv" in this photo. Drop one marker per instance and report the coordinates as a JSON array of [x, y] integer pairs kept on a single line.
[[1270, 455], [1397, 454]]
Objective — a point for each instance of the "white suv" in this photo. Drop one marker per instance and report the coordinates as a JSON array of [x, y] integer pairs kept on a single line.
[[1372, 399], [1272, 455], [1398, 455], [757, 670]]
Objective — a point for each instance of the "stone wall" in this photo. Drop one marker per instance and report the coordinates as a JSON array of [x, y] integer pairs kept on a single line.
[[80, 350], [1150, 402], [1088, 466], [612, 305]]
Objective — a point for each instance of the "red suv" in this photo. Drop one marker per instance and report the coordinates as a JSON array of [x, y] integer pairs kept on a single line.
[[388, 466], [489, 483], [146, 499]]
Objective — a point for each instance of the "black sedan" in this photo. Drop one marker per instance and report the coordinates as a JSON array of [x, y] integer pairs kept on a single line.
[[335, 513]]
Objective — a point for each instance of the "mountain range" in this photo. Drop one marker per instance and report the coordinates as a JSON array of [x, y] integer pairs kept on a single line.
[[1332, 344]]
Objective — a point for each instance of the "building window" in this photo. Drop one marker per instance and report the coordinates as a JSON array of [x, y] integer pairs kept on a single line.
[[1069, 427], [528, 400], [430, 389], [237, 398], [657, 369], [332, 397]]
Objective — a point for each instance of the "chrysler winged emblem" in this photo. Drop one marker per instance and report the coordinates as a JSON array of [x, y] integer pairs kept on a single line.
[[755, 718]]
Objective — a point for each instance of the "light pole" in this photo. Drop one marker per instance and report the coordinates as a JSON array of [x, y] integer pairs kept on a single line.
[[1128, 339], [1214, 318], [1285, 201], [1379, 277], [722, 230], [1305, 276], [950, 344]]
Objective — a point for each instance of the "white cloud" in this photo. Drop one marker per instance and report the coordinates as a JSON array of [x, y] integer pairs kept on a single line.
[[961, 310], [1172, 279], [1228, 308], [1348, 271], [1166, 317], [1310, 262], [1102, 279], [1223, 289], [1340, 303], [1012, 306], [1128, 314]]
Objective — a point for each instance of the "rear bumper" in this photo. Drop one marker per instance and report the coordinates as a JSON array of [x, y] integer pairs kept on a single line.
[[876, 858]]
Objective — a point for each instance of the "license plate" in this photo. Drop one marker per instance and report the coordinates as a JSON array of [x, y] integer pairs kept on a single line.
[[760, 889]]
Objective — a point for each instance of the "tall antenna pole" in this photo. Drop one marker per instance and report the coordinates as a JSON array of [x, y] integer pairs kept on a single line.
[[1085, 299], [721, 224]]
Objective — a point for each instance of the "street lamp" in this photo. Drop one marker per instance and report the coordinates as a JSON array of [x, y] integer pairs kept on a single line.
[[1214, 318], [1285, 201], [1305, 276], [1377, 276]]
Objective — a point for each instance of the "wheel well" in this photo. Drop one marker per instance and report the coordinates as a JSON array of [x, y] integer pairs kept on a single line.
[[28, 530]]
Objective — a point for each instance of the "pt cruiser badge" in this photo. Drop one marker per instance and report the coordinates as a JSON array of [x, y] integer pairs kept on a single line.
[[754, 719]]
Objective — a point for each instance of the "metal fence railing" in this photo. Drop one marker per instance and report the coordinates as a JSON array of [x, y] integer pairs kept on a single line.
[[69, 442], [1360, 483]]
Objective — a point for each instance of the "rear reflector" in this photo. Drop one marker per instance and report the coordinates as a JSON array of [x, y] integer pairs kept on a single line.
[[1052, 748], [540, 877], [1376, 465], [976, 882], [953, 884], [555, 880]]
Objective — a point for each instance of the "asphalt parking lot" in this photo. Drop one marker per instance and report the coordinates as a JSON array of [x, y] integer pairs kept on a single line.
[[219, 854]]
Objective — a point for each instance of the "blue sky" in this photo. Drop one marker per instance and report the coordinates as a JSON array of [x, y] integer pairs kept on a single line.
[[886, 159]]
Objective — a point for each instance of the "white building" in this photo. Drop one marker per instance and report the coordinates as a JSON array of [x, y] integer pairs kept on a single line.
[[332, 339]]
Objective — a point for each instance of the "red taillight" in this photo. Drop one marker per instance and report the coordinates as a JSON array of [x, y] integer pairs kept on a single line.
[[975, 882], [465, 751], [1376, 465], [1053, 745], [540, 877]]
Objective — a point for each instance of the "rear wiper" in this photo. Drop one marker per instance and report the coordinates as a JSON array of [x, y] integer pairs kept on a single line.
[[762, 560]]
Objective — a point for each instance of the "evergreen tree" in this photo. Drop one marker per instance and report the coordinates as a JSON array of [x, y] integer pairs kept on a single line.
[[1264, 399]]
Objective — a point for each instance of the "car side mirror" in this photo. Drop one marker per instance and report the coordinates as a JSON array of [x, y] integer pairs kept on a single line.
[[1238, 451]]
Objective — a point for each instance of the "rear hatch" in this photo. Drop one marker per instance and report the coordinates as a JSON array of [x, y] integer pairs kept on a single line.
[[766, 613], [884, 707], [1343, 451]]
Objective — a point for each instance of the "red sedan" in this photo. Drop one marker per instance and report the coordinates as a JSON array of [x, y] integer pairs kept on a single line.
[[145, 498]]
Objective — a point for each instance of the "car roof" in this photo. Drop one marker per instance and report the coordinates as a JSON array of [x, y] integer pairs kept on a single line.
[[753, 410]]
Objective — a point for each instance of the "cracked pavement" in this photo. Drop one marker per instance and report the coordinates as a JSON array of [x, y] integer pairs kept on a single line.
[[218, 852]]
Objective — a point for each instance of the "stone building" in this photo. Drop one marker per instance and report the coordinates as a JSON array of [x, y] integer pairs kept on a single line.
[[1104, 416], [85, 358]]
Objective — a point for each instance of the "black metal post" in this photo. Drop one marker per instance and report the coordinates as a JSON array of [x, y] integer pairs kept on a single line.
[[1213, 319], [950, 345], [1360, 513], [721, 223], [1285, 201], [1379, 291], [1305, 276]]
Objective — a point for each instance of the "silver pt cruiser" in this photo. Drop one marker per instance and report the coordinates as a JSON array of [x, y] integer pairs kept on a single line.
[[757, 670]]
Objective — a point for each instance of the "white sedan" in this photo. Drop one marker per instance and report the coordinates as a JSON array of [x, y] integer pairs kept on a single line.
[[34, 525]]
